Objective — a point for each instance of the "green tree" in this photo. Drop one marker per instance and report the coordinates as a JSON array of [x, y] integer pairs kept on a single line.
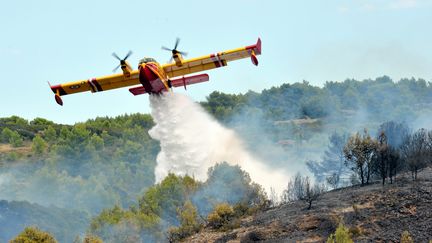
[[97, 142], [50, 134], [16, 120], [16, 140], [315, 107], [79, 135], [5, 135], [41, 122], [360, 151], [38, 145], [65, 133], [230, 184], [106, 217], [33, 235], [167, 196], [107, 138]]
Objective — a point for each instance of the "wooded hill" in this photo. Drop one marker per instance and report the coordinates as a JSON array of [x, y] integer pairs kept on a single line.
[[103, 162]]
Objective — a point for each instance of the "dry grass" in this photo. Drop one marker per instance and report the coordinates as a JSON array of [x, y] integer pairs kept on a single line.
[[7, 148]]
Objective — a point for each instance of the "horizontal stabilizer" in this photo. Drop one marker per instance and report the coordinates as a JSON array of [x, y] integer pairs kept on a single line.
[[138, 90], [183, 81]]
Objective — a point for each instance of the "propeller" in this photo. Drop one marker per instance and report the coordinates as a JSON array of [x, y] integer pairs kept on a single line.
[[174, 51], [122, 61]]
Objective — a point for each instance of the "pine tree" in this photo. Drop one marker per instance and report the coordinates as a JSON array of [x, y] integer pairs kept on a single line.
[[38, 145]]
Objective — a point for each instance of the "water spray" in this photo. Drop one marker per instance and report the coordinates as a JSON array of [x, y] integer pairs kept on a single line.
[[192, 141]]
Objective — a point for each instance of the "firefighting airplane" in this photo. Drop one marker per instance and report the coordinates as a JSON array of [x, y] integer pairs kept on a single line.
[[154, 78]]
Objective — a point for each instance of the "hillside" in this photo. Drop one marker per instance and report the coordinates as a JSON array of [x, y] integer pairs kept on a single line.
[[64, 224], [50, 171], [373, 213], [105, 167]]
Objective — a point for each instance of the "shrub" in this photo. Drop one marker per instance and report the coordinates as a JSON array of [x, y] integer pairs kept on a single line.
[[341, 235], [188, 223], [406, 237], [34, 235], [356, 209], [335, 219], [12, 156], [92, 239], [356, 231], [242, 208], [222, 217]]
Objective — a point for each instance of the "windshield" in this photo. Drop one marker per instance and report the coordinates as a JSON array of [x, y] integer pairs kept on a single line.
[[146, 60]]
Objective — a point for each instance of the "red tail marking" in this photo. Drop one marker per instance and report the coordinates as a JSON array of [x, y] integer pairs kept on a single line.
[[256, 47]]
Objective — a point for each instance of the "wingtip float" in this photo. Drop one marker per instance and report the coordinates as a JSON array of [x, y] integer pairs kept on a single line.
[[154, 78]]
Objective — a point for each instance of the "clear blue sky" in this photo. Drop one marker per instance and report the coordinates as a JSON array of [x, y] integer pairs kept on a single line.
[[60, 41]]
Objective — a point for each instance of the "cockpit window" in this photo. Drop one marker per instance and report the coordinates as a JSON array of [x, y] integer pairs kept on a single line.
[[146, 60]]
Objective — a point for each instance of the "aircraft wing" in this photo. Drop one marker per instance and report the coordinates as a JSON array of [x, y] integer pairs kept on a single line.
[[97, 84], [211, 61]]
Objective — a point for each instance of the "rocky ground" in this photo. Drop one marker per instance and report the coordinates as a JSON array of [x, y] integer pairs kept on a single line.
[[373, 213]]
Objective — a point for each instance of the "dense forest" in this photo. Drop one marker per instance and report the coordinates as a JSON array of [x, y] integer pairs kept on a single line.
[[102, 171], [381, 97]]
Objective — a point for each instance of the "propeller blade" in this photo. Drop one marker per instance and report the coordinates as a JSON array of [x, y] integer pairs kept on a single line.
[[165, 48], [182, 53], [115, 69], [176, 44], [115, 55], [174, 51], [128, 55]]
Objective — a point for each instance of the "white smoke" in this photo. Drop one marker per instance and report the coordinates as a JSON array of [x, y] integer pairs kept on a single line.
[[192, 141]]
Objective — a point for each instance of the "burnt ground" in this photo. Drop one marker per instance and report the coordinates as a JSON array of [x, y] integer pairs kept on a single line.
[[374, 213]]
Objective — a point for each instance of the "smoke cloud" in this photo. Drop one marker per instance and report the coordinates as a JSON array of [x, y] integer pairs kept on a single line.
[[192, 141]]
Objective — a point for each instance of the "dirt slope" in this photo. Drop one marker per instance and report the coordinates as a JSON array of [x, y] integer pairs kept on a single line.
[[373, 213]]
